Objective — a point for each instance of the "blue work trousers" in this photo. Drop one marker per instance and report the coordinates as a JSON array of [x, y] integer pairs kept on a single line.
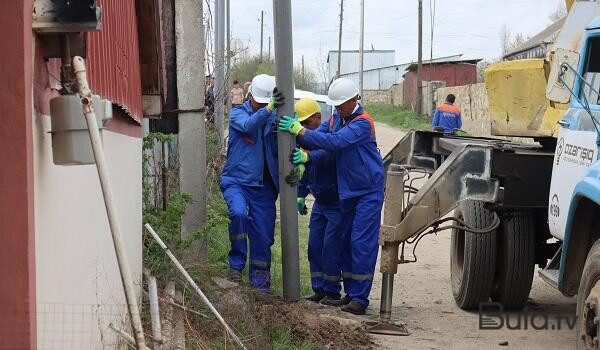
[[362, 221], [324, 254], [252, 218]]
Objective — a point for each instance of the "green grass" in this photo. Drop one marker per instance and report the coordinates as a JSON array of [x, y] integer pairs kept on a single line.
[[283, 339], [398, 117]]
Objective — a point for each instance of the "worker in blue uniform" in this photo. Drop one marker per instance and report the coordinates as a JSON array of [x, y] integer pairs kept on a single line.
[[447, 117], [250, 181], [360, 176], [325, 235]]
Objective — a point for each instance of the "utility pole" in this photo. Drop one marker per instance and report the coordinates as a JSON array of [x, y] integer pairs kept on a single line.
[[269, 48], [419, 107], [219, 87], [262, 14], [361, 47], [303, 76], [286, 142], [228, 72], [339, 62]]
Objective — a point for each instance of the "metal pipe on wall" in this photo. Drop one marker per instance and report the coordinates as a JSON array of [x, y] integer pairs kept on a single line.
[[282, 18], [109, 202], [219, 86]]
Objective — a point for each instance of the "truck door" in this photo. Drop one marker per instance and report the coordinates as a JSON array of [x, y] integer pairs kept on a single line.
[[576, 148]]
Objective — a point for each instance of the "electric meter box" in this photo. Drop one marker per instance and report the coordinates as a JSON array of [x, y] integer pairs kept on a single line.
[[71, 143]]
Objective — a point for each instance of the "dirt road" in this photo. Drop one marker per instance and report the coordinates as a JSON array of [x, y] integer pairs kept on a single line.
[[423, 300]]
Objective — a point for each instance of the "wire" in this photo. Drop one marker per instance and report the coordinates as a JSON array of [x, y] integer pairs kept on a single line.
[[564, 67]]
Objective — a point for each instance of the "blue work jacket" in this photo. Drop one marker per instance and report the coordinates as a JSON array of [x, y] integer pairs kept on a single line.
[[320, 177], [359, 166], [252, 142], [447, 116]]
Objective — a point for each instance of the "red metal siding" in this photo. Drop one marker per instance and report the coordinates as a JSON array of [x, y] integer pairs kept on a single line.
[[453, 74], [113, 57]]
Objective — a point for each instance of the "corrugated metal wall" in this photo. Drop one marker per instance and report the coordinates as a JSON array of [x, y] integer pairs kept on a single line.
[[113, 57], [350, 61]]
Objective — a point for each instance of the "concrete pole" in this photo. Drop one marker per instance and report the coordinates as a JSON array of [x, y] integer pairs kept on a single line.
[[189, 47], [219, 88], [282, 19], [339, 62], [262, 26], [228, 72], [361, 47], [419, 107]]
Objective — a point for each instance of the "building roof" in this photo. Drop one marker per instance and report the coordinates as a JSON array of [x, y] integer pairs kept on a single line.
[[546, 36], [403, 66], [413, 66]]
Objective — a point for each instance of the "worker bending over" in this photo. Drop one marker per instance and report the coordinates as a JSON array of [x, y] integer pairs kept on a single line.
[[250, 181], [359, 167], [447, 117], [325, 236]]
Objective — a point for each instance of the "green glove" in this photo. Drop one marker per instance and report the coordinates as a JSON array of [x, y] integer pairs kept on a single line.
[[302, 206], [295, 175], [299, 156], [276, 100], [291, 125]]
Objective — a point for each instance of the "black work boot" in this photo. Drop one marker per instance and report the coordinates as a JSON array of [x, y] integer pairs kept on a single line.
[[235, 275], [316, 298], [355, 308], [329, 301]]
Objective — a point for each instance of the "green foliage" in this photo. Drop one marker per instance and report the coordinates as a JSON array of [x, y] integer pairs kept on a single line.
[[246, 69], [283, 339], [166, 222], [398, 117]]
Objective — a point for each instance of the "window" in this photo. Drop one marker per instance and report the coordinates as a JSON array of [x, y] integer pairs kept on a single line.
[[589, 89]]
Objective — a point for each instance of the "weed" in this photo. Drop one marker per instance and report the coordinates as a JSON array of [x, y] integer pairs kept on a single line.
[[398, 117]]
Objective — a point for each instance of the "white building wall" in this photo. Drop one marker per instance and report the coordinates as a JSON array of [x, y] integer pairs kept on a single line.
[[79, 290]]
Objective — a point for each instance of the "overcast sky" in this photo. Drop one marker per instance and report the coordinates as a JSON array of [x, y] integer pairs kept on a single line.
[[470, 27]]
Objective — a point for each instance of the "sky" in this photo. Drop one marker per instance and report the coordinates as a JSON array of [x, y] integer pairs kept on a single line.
[[469, 27]]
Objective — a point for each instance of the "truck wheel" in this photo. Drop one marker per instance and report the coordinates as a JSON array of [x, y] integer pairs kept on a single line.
[[588, 301], [516, 260], [472, 257]]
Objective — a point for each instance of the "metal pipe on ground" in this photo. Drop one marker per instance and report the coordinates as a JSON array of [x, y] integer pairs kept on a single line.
[[284, 65], [111, 210], [194, 285]]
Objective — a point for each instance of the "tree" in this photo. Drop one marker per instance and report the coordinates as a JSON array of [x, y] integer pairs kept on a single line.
[[559, 12], [508, 42]]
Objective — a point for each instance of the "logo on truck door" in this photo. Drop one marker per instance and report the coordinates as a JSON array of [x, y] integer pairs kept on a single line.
[[574, 154], [559, 149], [554, 209]]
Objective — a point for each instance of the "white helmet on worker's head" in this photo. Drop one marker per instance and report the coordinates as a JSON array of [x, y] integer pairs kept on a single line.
[[262, 88], [340, 91]]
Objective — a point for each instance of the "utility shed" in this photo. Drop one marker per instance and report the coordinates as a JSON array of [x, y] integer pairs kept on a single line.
[[453, 73]]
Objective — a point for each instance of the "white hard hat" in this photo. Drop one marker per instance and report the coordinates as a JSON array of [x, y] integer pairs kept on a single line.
[[262, 88], [340, 91]]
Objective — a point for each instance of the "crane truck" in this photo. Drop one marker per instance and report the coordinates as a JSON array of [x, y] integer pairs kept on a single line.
[[511, 206]]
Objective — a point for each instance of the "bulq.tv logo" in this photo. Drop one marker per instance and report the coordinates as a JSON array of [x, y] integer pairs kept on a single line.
[[493, 317]]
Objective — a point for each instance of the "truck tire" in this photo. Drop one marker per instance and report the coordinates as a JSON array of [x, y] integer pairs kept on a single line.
[[516, 260], [588, 306], [472, 257]]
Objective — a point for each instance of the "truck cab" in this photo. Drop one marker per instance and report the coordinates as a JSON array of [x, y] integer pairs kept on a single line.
[[574, 198]]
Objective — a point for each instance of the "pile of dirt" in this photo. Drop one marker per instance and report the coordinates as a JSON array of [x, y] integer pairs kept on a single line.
[[306, 324]]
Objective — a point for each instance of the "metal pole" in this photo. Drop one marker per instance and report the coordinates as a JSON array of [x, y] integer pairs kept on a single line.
[[361, 47], [262, 15], [109, 202], [339, 62], [419, 107], [269, 48], [219, 88], [284, 65]]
